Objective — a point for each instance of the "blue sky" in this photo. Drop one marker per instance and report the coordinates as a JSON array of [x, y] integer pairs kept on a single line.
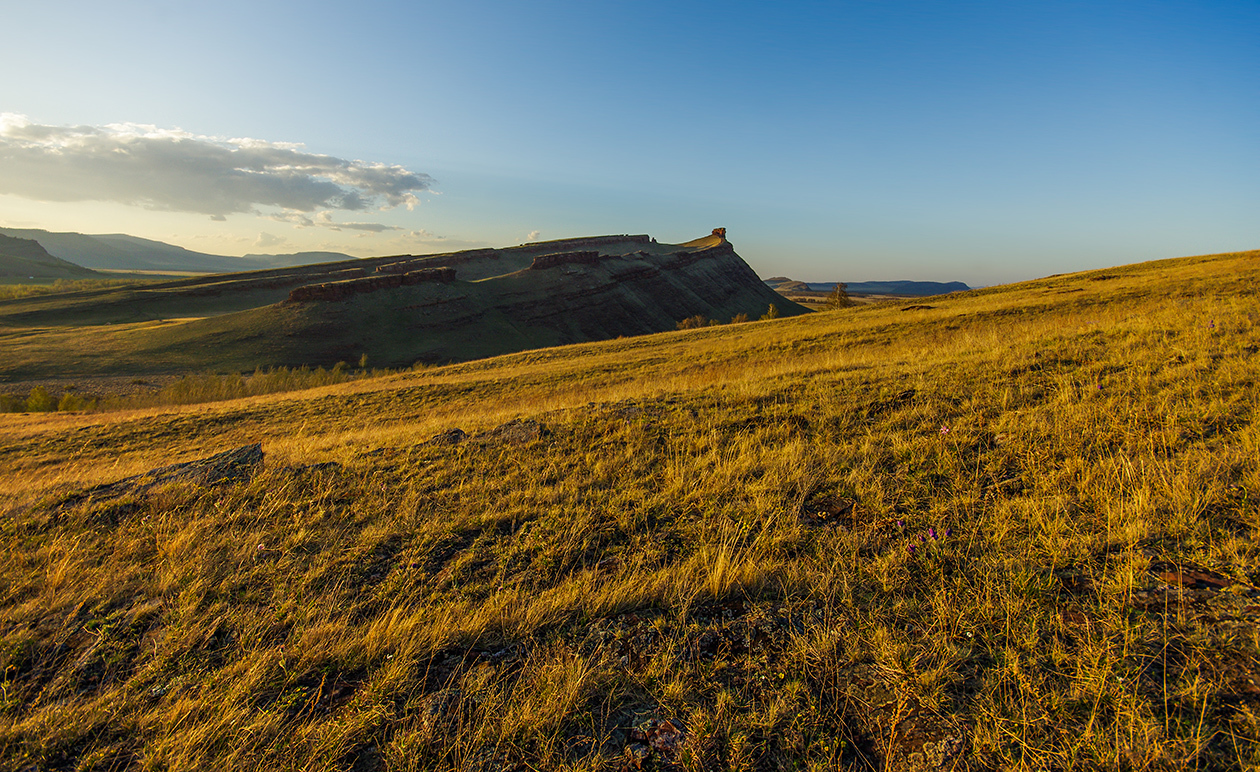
[[982, 142]]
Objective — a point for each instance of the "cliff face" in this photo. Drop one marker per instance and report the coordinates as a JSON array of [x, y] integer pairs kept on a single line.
[[638, 293]]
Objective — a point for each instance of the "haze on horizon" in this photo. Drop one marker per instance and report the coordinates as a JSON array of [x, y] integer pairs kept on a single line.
[[854, 140]]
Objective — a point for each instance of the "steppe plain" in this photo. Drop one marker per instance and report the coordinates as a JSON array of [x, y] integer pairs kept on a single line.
[[1005, 528]]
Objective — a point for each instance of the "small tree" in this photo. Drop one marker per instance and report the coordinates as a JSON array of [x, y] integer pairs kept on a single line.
[[40, 401], [839, 297], [693, 322], [739, 318], [771, 313]]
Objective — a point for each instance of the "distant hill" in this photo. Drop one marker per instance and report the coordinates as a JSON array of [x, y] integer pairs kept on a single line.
[[396, 310], [913, 288], [26, 259], [120, 252], [298, 258]]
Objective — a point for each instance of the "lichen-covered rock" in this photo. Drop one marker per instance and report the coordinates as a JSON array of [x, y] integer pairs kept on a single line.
[[220, 469], [515, 432]]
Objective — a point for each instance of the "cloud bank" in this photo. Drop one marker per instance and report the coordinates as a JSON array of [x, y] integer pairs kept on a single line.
[[174, 170]]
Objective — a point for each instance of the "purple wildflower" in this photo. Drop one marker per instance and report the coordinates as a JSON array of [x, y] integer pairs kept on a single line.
[[901, 523], [932, 533], [910, 548], [949, 532], [922, 537]]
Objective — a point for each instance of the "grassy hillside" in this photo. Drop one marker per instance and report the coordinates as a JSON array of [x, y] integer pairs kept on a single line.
[[23, 259], [497, 302], [1007, 528]]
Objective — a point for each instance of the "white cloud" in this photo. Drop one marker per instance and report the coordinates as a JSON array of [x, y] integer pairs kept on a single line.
[[175, 170], [373, 227], [533, 236], [298, 219], [268, 240]]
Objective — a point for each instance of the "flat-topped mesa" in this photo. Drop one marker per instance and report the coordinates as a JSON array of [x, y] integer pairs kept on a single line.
[[340, 290], [587, 241], [564, 258]]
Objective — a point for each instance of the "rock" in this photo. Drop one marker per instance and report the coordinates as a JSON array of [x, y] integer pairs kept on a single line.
[[449, 437], [515, 432], [228, 466], [1189, 575], [828, 511], [666, 737], [662, 735], [220, 469]]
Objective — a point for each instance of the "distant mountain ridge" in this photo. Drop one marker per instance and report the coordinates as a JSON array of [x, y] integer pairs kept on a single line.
[[120, 252], [914, 288], [27, 259]]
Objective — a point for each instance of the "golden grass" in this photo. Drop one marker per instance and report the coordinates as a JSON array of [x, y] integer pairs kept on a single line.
[[715, 532]]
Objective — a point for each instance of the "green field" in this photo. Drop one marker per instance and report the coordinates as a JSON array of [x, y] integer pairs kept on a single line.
[[1002, 529]]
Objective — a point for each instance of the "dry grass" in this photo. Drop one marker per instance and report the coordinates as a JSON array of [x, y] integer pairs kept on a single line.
[[714, 536]]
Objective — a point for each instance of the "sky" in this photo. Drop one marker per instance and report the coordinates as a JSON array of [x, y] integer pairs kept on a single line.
[[985, 142]]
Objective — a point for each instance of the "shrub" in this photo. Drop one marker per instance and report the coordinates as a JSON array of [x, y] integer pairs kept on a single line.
[[40, 401], [839, 297], [696, 322], [771, 313], [739, 318], [70, 402]]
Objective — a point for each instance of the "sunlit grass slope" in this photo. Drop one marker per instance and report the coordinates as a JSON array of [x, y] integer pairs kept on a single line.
[[1016, 528]]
